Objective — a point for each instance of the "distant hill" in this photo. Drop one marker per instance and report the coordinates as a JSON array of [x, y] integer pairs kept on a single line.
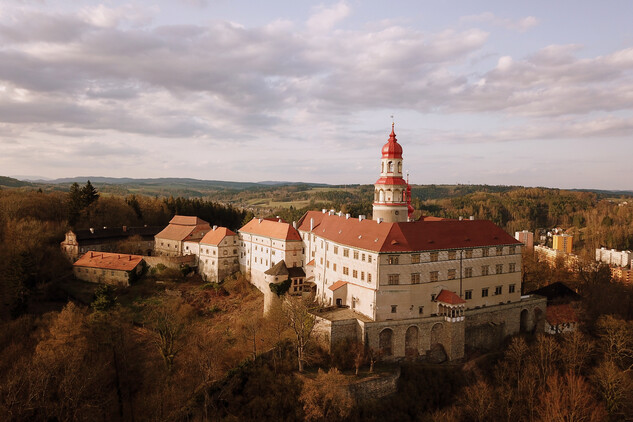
[[10, 182]]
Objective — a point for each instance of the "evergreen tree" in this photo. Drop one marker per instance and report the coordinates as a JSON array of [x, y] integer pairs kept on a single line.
[[74, 203], [88, 194]]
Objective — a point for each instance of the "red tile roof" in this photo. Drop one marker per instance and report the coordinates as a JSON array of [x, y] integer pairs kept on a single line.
[[338, 284], [109, 261], [411, 236], [451, 298], [187, 220], [560, 314], [273, 229], [184, 227], [214, 237]]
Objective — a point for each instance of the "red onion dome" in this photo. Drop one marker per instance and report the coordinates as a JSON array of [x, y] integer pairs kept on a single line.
[[392, 149]]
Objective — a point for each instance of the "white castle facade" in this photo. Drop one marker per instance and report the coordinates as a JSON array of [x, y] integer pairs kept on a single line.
[[404, 287]]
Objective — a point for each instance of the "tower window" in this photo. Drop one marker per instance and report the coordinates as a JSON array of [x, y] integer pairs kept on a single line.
[[390, 167]]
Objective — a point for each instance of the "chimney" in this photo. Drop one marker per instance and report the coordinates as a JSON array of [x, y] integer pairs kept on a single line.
[[294, 225], [347, 216], [461, 218], [92, 230], [340, 213], [124, 229], [471, 218], [379, 220], [323, 210], [361, 217], [130, 257], [279, 220], [260, 221], [311, 224], [215, 227], [92, 254]]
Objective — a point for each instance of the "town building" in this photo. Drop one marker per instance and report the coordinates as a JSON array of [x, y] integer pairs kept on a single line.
[[78, 242], [526, 237], [624, 275], [108, 268], [172, 240], [563, 243], [218, 254], [562, 308], [613, 257]]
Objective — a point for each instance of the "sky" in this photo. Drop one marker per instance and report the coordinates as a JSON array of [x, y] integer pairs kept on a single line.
[[536, 93]]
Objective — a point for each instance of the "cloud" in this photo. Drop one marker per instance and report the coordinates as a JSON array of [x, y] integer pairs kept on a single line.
[[325, 18], [520, 25], [103, 74]]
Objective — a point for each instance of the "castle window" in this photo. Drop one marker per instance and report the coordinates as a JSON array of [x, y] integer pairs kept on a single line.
[[499, 250], [362, 276], [368, 277], [468, 294], [345, 271], [498, 290], [499, 268], [511, 288], [512, 250], [451, 274], [355, 254], [484, 270], [485, 251], [363, 257], [452, 254], [390, 167], [399, 166], [484, 292], [420, 310], [368, 258], [469, 254], [334, 266], [415, 278], [512, 267], [394, 279], [355, 273], [468, 272], [392, 260], [336, 250], [394, 309], [434, 275], [415, 258], [346, 252], [434, 256]]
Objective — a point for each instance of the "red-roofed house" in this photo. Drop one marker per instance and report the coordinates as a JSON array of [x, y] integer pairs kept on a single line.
[[219, 251], [560, 318], [108, 268], [265, 242], [171, 240]]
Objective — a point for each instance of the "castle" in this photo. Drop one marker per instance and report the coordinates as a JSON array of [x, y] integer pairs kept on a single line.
[[405, 287]]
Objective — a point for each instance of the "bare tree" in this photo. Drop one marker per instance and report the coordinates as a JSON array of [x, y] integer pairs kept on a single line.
[[302, 323], [569, 399], [327, 398]]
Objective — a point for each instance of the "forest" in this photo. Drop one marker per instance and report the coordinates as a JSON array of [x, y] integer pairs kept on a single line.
[[173, 348]]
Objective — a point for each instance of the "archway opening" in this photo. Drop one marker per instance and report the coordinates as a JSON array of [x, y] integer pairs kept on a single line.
[[386, 342]]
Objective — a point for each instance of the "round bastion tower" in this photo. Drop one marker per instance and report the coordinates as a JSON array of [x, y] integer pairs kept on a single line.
[[390, 191]]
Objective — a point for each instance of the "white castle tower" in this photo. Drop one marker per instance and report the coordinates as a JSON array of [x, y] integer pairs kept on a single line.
[[390, 192]]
